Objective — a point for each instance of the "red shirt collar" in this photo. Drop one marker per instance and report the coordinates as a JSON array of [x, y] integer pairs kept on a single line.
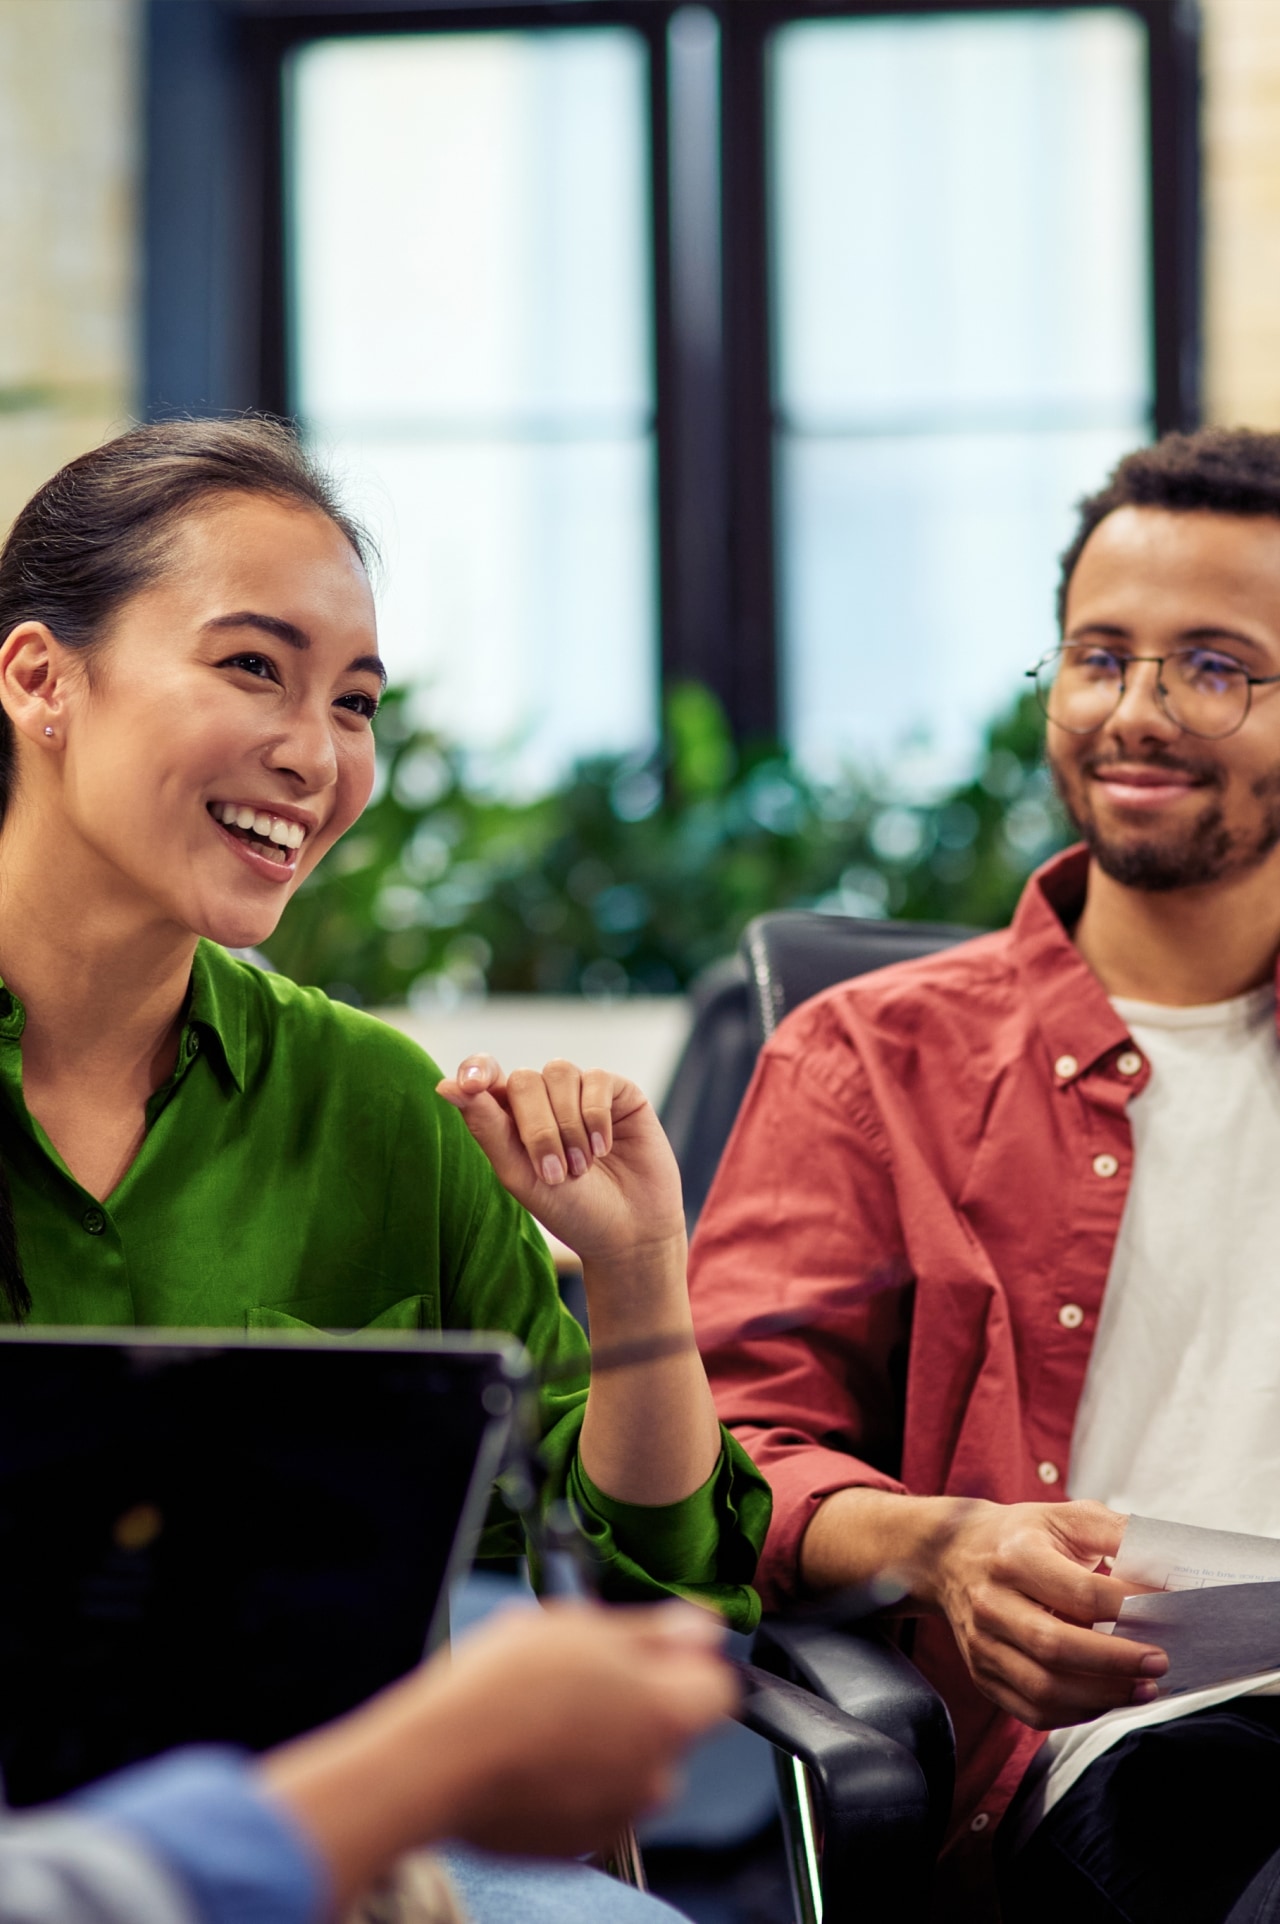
[[1071, 1007]]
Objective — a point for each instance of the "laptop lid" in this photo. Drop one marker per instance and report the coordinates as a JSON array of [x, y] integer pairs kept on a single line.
[[210, 1538]]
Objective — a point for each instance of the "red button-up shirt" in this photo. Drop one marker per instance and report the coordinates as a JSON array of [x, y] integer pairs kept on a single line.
[[929, 1170]]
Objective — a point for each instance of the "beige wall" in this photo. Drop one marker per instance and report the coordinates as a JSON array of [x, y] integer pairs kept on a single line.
[[1242, 211], [67, 269], [68, 126]]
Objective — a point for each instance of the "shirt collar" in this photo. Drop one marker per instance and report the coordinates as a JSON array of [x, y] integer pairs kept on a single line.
[[217, 1008], [1071, 1006]]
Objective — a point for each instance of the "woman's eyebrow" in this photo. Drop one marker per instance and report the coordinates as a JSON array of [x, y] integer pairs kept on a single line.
[[274, 625], [293, 637]]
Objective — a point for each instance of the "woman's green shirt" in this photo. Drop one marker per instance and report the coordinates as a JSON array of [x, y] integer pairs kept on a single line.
[[299, 1172]]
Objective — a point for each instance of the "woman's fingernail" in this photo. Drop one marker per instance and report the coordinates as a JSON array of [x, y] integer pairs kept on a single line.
[[552, 1169], [473, 1074], [597, 1143], [1154, 1664], [577, 1163], [1143, 1693]]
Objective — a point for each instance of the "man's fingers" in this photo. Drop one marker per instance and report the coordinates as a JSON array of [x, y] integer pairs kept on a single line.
[[677, 1622], [1053, 1555], [1086, 1531], [1061, 1586], [1045, 1698], [1065, 1648]]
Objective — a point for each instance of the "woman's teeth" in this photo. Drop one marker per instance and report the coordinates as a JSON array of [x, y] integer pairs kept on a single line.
[[271, 829]]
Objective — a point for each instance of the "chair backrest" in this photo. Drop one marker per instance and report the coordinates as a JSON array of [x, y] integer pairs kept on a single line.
[[783, 959], [711, 1076], [796, 953]]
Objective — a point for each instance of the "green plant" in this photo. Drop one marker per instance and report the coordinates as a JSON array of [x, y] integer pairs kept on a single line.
[[633, 875]]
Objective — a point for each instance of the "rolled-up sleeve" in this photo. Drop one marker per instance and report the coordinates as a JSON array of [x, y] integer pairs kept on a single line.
[[800, 1287], [201, 1818], [57, 1869]]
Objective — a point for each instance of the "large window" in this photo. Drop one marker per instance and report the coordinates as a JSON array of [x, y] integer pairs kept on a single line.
[[764, 342], [470, 305], [961, 248]]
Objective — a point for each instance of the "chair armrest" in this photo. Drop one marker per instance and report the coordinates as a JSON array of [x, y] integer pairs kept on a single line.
[[857, 1670], [871, 1814]]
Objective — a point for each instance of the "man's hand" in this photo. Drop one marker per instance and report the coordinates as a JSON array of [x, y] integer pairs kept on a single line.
[[545, 1732], [572, 1720], [1018, 1583]]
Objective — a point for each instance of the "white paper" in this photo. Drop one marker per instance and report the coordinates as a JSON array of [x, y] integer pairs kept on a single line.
[[1211, 1601], [1175, 1556], [1207, 1639]]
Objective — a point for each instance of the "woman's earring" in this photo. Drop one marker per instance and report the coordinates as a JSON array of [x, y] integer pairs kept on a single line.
[[48, 731]]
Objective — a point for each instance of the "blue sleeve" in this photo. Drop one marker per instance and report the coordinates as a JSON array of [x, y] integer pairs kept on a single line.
[[202, 1814]]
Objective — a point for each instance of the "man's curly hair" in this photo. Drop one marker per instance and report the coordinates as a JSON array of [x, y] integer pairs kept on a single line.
[[1219, 470]]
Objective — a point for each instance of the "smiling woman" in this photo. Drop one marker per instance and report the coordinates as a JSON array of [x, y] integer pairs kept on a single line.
[[188, 672]]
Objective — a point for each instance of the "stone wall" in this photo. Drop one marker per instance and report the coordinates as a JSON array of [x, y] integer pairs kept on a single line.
[[68, 267]]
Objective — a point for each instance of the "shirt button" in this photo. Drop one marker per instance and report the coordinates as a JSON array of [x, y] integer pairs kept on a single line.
[[94, 1221], [1129, 1063], [1047, 1472], [193, 1046], [1105, 1165], [1071, 1316], [980, 1821], [1065, 1067]]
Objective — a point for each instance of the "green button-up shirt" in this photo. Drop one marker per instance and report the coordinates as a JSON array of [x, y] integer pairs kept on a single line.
[[298, 1171]]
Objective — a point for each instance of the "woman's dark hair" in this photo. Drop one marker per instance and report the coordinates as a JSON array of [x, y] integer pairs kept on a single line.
[[1219, 470], [100, 532]]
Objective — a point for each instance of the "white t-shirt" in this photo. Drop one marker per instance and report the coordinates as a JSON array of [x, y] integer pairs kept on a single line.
[[1180, 1414]]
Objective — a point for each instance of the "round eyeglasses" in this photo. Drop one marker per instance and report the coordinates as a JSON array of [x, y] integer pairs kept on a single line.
[[1202, 691]]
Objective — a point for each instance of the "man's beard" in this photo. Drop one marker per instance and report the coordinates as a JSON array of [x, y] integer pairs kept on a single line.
[[1207, 851]]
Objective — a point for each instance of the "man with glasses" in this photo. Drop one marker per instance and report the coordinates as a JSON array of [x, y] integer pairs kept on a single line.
[[993, 1258]]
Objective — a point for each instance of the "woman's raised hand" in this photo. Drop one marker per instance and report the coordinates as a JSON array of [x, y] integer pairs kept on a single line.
[[581, 1149], [586, 1155]]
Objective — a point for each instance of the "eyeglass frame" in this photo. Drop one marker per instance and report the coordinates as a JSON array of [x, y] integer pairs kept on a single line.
[[1124, 663]]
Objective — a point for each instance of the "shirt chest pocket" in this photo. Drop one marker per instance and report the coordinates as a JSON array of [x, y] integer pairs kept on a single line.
[[411, 1312]]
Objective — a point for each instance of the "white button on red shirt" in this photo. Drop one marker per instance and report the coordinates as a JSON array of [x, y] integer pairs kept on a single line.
[[1048, 1472], [1071, 1316], [1105, 1165]]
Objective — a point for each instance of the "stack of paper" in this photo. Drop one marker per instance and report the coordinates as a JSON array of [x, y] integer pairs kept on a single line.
[[1211, 1601]]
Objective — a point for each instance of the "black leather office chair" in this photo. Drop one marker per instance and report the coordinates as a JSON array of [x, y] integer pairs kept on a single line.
[[711, 1077], [862, 1830]]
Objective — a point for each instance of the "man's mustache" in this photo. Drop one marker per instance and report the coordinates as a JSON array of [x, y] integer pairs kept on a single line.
[[1207, 773]]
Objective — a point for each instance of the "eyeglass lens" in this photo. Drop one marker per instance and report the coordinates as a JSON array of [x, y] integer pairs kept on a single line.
[[1080, 687]]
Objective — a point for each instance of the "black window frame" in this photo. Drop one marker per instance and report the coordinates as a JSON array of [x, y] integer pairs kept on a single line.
[[214, 322]]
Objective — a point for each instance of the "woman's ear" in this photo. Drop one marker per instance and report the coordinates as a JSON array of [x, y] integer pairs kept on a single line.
[[35, 675]]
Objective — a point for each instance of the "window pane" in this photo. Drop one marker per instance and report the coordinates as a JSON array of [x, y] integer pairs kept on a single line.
[[470, 249], [961, 267]]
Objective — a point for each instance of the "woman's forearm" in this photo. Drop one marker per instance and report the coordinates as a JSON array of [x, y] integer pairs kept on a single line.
[[650, 1435]]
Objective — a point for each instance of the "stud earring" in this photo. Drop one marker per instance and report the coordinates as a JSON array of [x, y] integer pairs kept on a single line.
[[48, 731]]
